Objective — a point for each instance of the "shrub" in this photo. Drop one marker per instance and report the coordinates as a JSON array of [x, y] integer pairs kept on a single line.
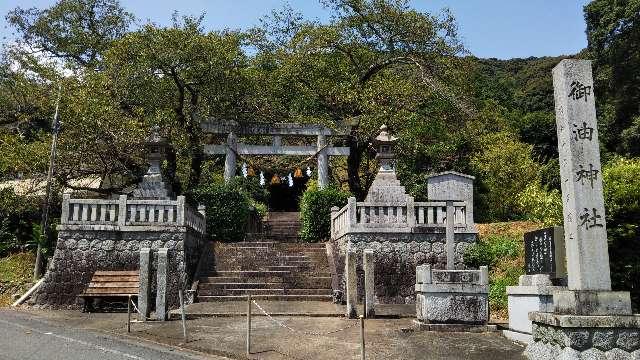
[[491, 250], [539, 204], [315, 212], [227, 211], [505, 257], [18, 215], [504, 167], [622, 201]]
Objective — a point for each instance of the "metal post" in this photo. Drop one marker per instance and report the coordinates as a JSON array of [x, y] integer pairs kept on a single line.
[[248, 325], [129, 315], [184, 320], [362, 337]]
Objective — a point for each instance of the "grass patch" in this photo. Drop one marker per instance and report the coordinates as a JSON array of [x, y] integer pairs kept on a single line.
[[16, 275], [501, 247]]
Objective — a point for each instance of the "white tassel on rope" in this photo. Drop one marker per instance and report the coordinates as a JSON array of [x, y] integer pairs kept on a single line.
[[290, 180], [308, 171], [262, 181], [244, 170]]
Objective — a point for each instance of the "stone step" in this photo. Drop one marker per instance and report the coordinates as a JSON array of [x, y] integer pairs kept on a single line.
[[267, 297], [259, 291], [240, 285], [299, 282]]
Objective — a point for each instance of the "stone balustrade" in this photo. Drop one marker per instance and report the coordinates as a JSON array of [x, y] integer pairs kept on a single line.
[[406, 216], [131, 212]]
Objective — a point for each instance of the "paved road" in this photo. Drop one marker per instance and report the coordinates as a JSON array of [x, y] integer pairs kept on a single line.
[[26, 337]]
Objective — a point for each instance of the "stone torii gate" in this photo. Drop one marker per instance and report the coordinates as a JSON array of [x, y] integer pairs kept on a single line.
[[232, 148]]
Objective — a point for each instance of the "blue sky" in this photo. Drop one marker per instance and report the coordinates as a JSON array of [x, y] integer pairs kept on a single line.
[[489, 28]]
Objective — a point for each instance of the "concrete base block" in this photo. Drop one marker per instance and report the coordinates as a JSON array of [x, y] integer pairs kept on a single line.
[[454, 327], [518, 336], [525, 299], [588, 302]]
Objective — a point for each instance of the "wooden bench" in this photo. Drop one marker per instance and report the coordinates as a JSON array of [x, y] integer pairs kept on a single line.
[[111, 284]]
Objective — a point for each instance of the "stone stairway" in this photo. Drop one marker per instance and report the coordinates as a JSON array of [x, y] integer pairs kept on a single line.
[[281, 227], [267, 270]]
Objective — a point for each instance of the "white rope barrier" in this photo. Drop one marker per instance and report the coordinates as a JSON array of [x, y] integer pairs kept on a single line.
[[281, 324]]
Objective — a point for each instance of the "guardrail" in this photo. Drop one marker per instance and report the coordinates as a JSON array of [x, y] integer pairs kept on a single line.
[[397, 216], [132, 212]]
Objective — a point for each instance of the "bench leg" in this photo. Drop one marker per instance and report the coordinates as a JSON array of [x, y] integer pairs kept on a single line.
[[87, 305]]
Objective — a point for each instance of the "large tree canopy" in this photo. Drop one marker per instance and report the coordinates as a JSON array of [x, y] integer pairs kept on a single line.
[[78, 31], [376, 62], [613, 30]]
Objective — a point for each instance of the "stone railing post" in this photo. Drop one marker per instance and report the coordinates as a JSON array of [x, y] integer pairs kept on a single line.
[[161, 288], [181, 209], [368, 263], [468, 209], [352, 213], [122, 210], [144, 291], [411, 212], [203, 211], [334, 210], [351, 284], [64, 216]]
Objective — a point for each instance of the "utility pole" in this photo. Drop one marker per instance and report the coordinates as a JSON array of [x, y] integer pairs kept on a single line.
[[38, 270]]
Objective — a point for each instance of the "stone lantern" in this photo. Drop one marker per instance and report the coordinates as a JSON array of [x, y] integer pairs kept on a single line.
[[157, 147], [153, 185], [385, 144], [385, 186]]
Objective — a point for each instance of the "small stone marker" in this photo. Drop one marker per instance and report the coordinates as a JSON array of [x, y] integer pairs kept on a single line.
[[368, 261], [544, 252], [144, 292], [581, 177], [352, 284], [161, 277]]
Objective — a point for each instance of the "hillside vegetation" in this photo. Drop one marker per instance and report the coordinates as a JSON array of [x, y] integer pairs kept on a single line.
[[16, 275]]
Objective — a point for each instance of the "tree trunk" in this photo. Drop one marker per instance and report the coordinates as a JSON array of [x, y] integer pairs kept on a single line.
[[353, 164]]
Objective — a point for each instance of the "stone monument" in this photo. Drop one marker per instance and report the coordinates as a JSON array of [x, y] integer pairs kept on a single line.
[[544, 252], [588, 320], [545, 269]]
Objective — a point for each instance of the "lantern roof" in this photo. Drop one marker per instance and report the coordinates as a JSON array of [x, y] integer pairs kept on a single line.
[[385, 137]]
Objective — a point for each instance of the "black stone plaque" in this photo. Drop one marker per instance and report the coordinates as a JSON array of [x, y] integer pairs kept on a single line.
[[544, 252]]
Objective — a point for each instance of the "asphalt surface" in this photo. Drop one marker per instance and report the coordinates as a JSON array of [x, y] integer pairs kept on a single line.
[[25, 336]]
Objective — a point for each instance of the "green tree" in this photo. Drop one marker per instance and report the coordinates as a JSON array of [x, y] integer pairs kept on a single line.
[[175, 77], [503, 168], [613, 32], [376, 62], [622, 202], [75, 31]]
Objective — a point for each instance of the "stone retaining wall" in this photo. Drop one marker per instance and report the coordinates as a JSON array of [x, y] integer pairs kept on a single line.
[[79, 253], [396, 258]]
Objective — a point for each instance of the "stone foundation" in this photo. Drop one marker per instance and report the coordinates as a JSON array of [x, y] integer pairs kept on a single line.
[[81, 251], [396, 257], [584, 337]]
